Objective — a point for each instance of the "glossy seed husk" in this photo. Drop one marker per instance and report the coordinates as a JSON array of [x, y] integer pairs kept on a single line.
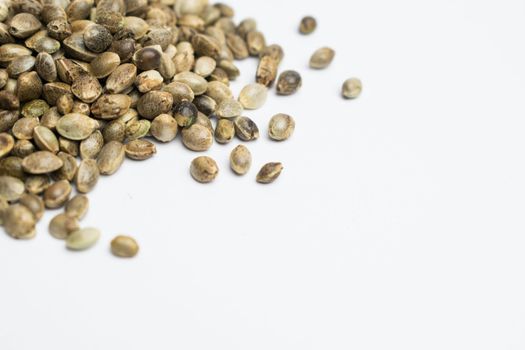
[[322, 58], [352, 88], [240, 160], [308, 25], [288, 83], [204, 169], [124, 247], [246, 129], [269, 173], [281, 127]]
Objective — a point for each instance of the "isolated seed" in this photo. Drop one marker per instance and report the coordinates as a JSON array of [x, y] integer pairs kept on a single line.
[[45, 139], [19, 222], [124, 247], [269, 173], [246, 129], [185, 113], [122, 78], [76, 126], [87, 175], [322, 58], [97, 38], [140, 150], [253, 96], [42, 162], [289, 82], [56, 195], [204, 169], [164, 128], [225, 131], [352, 88], [240, 160], [7, 143], [77, 206], [11, 188], [33, 203], [149, 80], [197, 138], [281, 127], [82, 239], [111, 157], [104, 64], [62, 225], [229, 109], [308, 25]]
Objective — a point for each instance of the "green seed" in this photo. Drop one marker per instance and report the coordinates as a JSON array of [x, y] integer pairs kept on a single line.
[[82, 239]]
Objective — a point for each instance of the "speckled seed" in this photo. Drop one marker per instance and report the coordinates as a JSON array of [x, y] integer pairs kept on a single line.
[[266, 70], [68, 170], [167, 67], [35, 109], [9, 52], [229, 109], [9, 101], [185, 113], [198, 84], [59, 29], [308, 25], [45, 67], [322, 58], [21, 65], [33, 203], [62, 225], [56, 195], [23, 148], [87, 175], [86, 88], [11, 188], [122, 78], [111, 157], [19, 222], [29, 86], [237, 46], [240, 160], [219, 91], [225, 131], [197, 138], [82, 239], [97, 38], [206, 45], [253, 96], [204, 169], [137, 129], [281, 127], [109, 107], [12, 166], [65, 104], [204, 66], [230, 68], [68, 146], [37, 184], [148, 80], [288, 83], [164, 128], [23, 25], [45, 139], [77, 206], [352, 88], [42, 162], [7, 143], [179, 91], [104, 64], [269, 173], [256, 42], [124, 247], [140, 150], [246, 129], [147, 58], [76, 126], [205, 104], [114, 131], [154, 103]]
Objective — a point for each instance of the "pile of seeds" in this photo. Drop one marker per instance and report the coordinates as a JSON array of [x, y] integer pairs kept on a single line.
[[85, 84]]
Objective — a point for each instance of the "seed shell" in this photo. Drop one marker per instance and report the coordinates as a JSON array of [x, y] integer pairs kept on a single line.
[[82, 239], [124, 247]]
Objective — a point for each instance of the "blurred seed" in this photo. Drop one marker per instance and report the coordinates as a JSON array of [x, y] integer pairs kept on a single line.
[[167, 67], [197, 138], [75, 48], [322, 58], [62, 225], [124, 247], [205, 104], [20, 65], [246, 26], [124, 48], [45, 139], [204, 66], [76, 126], [7, 143], [179, 91], [266, 71], [68, 170], [255, 42], [229, 109], [104, 64], [114, 131], [240, 160], [206, 45], [149, 80], [82, 239], [56, 195], [352, 88], [37, 184], [111, 157], [289, 82], [65, 104], [12, 166], [11, 188], [33, 203], [77, 206], [19, 222], [269, 173], [308, 25], [22, 148], [140, 150], [164, 128], [35, 109], [9, 52], [246, 129], [147, 58], [204, 169], [230, 68], [225, 131], [253, 96], [97, 38], [87, 175], [24, 25], [29, 86], [197, 83], [3, 207], [9, 101]]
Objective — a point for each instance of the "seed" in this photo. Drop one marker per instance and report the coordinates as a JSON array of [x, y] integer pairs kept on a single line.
[[266, 71], [352, 88], [149, 80], [289, 82], [82, 239], [206, 45], [97, 38], [56, 195], [87, 175], [219, 75], [109, 107], [197, 138], [205, 104], [230, 68], [122, 78], [112, 20], [45, 139], [52, 91], [114, 131], [46, 44], [23, 25], [75, 48], [253, 96], [4, 77], [104, 64], [256, 42], [21, 65], [45, 67], [19, 222], [123, 48], [59, 29], [111, 157], [269, 173], [204, 66], [77, 206], [281, 127], [164, 128], [7, 143], [68, 146], [7, 119], [179, 91], [9, 52], [238, 46], [29, 86], [12, 166], [197, 83], [308, 25], [65, 104], [204, 169], [225, 131], [33, 203], [76, 126], [37, 184], [42, 162], [82, 108], [219, 92], [124, 247], [35, 109], [140, 150], [275, 52], [185, 113], [147, 58], [9, 101], [62, 225], [246, 129], [137, 129], [11, 188], [229, 109], [322, 58], [154, 103], [22, 148], [240, 160], [86, 88]]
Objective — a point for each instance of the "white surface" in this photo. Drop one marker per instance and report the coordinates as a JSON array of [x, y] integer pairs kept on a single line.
[[396, 224]]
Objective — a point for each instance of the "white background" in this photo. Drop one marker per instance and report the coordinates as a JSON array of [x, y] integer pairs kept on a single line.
[[396, 224]]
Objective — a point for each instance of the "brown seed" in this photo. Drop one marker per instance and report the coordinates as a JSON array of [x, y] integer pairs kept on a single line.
[[59, 29], [206, 45], [76, 126], [238, 46], [45, 139], [240, 160], [205, 104], [266, 71], [246, 129], [104, 64], [9, 52], [281, 127], [137, 129], [256, 42], [147, 58], [50, 118], [185, 113], [230, 68], [308, 25], [289, 82], [37, 184], [19, 222], [11, 188], [112, 20], [246, 26], [68, 170], [68, 146], [23, 25], [9, 101], [33, 203], [167, 67], [29, 86], [114, 131], [197, 83], [269, 173], [20, 65], [352, 88], [154, 103], [110, 107], [140, 150], [219, 92], [35, 109], [22, 148], [204, 169], [87, 175], [197, 138], [122, 78], [124, 247], [62, 225], [111, 157], [322, 58], [12, 166], [86, 88], [56, 195], [225, 131], [7, 143], [179, 91], [75, 48], [97, 38], [41, 162], [229, 109], [65, 104], [52, 91], [124, 48], [204, 66], [164, 128], [7, 119], [77, 206], [149, 80]]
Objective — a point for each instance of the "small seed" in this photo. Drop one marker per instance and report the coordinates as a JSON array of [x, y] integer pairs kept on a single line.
[[109, 107], [229, 109], [253, 96], [12, 166], [124, 247], [65, 104], [59, 29], [240, 160], [281, 127], [308, 25], [322, 58], [256, 42], [82, 239], [97, 38], [111, 157], [179, 91], [56, 195], [45, 67], [87, 175], [204, 66], [149, 80], [33, 203], [140, 150], [352, 88], [266, 70], [154, 103], [246, 26], [11, 188], [246, 129], [225, 131], [21, 65], [288, 83], [137, 129], [68, 146], [29, 86], [197, 138], [7, 143], [19, 222], [86, 88], [104, 64], [68, 170], [220, 92], [205, 104], [114, 131], [9, 101], [204, 169], [45, 139], [37, 184], [78, 206], [35, 109], [122, 78], [198, 84], [269, 173], [62, 225], [147, 58], [185, 113], [23, 25], [76, 126], [123, 48], [164, 128], [42, 162]]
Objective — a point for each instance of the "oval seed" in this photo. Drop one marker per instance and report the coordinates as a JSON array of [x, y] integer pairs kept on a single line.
[[269, 173], [19, 222], [78, 206], [57, 194], [45, 139], [229, 109], [104, 64], [35, 109], [114, 131], [11, 188], [164, 128], [308, 25], [111, 157], [37, 184], [7, 143], [288, 83], [154, 103], [121, 79], [253, 96], [148, 80], [137, 129], [179, 91], [246, 129], [198, 84], [33, 203], [68, 170], [82, 239], [204, 169], [204, 66], [281, 127], [140, 150], [197, 138], [225, 131], [45, 67], [240, 160], [322, 58], [23, 25], [352, 88], [124, 247], [86, 88], [110, 107], [41, 162], [97, 38], [23, 128], [87, 175], [76, 126], [62, 225], [185, 113], [12, 166]]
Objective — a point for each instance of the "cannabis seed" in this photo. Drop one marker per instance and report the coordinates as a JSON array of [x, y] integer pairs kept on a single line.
[[7, 143], [352, 88], [198, 84], [45, 139], [11, 188], [33, 203], [225, 131], [82, 239], [204, 66], [185, 113], [246, 129], [56, 195], [77, 206], [281, 127], [140, 150], [308, 25], [111, 157], [164, 128], [68, 170], [104, 64], [289, 82], [124, 247], [41, 162], [229, 109], [240, 160], [322, 58], [149, 80], [154, 103], [87, 175], [19, 222], [147, 58], [253, 96], [62, 225], [204, 169], [197, 138], [269, 173], [97, 38], [122, 78], [76, 126]]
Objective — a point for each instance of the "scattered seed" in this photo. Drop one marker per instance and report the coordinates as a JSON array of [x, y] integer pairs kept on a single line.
[[77, 206], [111, 157], [204, 169], [240, 160], [246, 129], [140, 150], [352, 88], [322, 58], [82, 239], [197, 138], [225, 131], [124, 247], [288, 83], [269, 173], [308, 25], [253, 96], [281, 127]]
